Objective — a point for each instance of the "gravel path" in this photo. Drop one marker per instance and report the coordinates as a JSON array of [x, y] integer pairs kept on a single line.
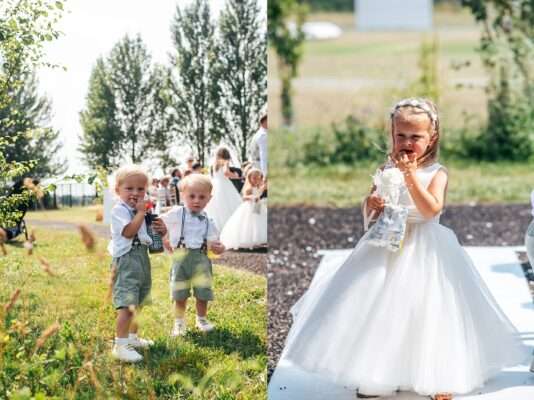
[[255, 262], [295, 235]]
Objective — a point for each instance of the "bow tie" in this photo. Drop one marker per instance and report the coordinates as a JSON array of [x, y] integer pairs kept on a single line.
[[199, 216]]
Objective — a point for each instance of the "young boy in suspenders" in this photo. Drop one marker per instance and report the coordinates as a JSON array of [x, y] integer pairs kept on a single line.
[[192, 232]]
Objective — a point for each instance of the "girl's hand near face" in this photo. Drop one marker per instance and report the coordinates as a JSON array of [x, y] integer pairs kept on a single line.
[[407, 163]]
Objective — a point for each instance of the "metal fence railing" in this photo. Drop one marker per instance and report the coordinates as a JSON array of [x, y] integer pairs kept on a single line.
[[69, 194]]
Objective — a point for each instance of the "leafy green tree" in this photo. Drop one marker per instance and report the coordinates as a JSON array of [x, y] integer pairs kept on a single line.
[[506, 50], [129, 75], [288, 44], [25, 26], [194, 95], [37, 141], [122, 117], [101, 131], [241, 71], [162, 138]]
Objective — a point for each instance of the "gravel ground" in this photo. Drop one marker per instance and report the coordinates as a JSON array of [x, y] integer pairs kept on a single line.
[[252, 261], [296, 233]]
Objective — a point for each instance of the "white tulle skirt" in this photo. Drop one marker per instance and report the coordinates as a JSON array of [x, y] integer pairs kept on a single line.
[[247, 227], [420, 319], [224, 201]]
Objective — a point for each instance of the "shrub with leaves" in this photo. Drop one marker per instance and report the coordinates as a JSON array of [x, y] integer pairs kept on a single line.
[[506, 50], [352, 142]]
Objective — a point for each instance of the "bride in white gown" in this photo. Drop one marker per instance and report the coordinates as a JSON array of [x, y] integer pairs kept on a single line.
[[419, 319], [225, 197]]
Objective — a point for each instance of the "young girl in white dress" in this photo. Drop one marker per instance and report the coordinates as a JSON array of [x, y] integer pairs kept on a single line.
[[247, 227], [225, 197], [419, 319]]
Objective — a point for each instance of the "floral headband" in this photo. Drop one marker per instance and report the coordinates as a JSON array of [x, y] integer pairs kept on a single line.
[[417, 103]]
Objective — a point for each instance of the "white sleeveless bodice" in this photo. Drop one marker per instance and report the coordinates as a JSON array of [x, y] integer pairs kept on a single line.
[[425, 176]]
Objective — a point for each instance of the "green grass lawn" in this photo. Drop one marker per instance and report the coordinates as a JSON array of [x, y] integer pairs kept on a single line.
[[76, 215], [342, 186], [75, 363]]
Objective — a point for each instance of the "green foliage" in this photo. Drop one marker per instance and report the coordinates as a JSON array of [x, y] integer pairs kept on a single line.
[[352, 142], [288, 44], [25, 27], [330, 5], [427, 84], [506, 50], [194, 93], [11, 171], [129, 76], [101, 136], [241, 71], [122, 118], [26, 116]]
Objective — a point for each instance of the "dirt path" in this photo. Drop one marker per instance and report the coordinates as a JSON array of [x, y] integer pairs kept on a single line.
[[255, 262], [296, 233]]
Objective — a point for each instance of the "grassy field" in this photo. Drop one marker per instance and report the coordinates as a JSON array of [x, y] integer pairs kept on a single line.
[[75, 362], [78, 215], [341, 186], [292, 183], [363, 73]]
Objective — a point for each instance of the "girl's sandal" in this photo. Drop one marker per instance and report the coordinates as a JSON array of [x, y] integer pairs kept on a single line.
[[442, 396]]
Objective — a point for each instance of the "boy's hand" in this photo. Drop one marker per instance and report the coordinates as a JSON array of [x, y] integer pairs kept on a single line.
[[167, 245], [376, 203], [140, 205], [217, 247], [159, 226]]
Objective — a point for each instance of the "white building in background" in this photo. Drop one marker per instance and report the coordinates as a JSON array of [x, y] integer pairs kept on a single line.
[[393, 15]]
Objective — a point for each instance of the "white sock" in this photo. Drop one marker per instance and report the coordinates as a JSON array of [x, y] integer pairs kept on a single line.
[[132, 336], [180, 320], [202, 319], [120, 341]]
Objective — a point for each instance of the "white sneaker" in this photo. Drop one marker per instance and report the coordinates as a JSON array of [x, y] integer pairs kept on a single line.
[[126, 353], [140, 342], [179, 328], [204, 325]]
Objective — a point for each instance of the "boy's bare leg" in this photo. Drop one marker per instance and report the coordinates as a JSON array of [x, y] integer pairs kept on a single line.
[[124, 320], [133, 324], [180, 308], [202, 308]]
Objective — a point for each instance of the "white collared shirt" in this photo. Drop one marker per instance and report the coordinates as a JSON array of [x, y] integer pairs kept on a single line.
[[122, 215], [259, 150], [194, 228]]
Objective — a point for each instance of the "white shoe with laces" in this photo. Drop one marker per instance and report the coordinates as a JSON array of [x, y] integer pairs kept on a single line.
[[179, 328], [126, 353], [140, 342], [204, 325]]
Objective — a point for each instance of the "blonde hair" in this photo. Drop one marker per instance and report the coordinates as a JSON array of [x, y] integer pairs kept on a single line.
[[192, 180], [249, 172], [129, 170], [407, 108]]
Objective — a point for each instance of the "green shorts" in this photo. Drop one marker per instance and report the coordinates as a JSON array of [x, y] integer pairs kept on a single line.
[[132, 282], [191, 268]]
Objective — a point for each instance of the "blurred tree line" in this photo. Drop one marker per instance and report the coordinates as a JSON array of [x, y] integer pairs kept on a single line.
[[348, 5], [213, 89]]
